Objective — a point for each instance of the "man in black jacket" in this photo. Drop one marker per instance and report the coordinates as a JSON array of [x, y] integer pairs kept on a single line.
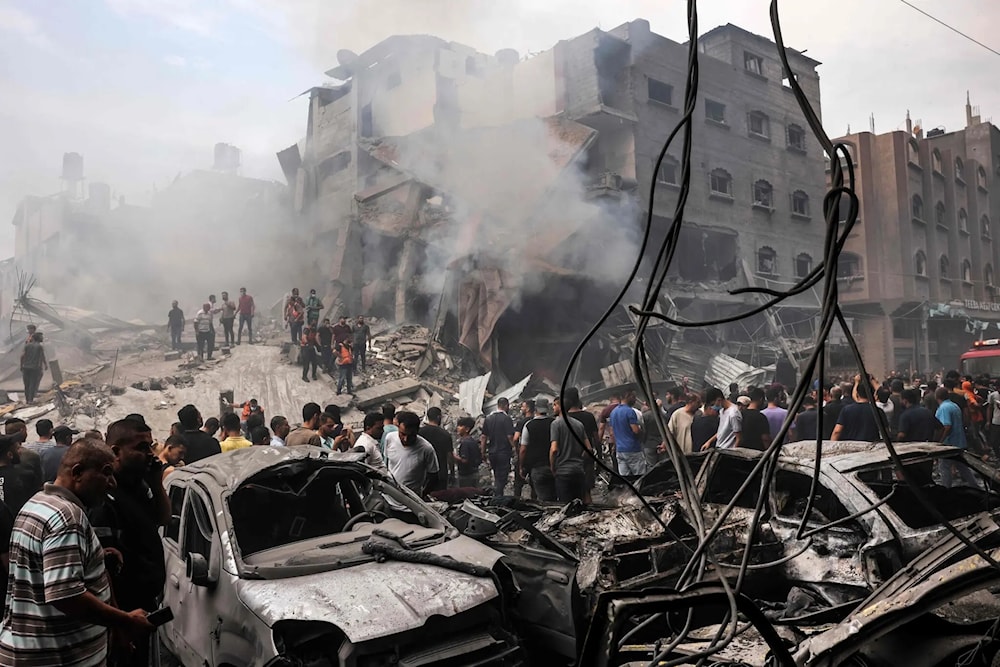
[[129, 521], [200, 445]]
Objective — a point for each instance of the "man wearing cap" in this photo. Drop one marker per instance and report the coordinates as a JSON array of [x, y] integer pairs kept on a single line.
[[43, 427], [533, 453], [53, 456]]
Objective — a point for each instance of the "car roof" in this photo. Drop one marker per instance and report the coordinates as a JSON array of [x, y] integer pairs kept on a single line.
[[850, 455], [230, 469]]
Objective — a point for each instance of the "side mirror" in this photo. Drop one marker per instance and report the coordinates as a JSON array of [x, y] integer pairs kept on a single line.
[[197, 570]]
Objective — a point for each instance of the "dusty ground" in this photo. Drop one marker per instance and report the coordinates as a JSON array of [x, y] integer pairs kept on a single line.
[[252, 371]]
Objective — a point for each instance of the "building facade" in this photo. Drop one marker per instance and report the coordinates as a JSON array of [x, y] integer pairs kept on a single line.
[[917, 276], [386, 172]]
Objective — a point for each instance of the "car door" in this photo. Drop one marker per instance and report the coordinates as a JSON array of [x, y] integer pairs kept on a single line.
[[175, 567], [196, 621]]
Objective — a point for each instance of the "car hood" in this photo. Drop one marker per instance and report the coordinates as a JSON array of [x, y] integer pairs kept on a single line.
[[373, 599]]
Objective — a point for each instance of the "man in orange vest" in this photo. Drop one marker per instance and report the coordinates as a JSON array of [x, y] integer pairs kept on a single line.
[[345, 364]]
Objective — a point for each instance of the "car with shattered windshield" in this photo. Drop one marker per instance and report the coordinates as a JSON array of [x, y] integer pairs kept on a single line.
[[300, 556], [866, 525]]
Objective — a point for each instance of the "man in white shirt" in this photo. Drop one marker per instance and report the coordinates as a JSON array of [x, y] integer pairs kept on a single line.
[[411, 460], [368, 441], [730, 421], [280, 429]]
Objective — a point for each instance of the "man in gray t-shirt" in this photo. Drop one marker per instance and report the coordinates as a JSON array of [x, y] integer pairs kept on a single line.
[[566, 456], [411, 460]]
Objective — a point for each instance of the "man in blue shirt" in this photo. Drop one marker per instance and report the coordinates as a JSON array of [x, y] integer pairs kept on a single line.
[[625, 425], [950, 416]]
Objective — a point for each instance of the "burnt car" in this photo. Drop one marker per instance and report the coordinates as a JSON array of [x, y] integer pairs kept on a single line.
[[299, 556], [871, 526]]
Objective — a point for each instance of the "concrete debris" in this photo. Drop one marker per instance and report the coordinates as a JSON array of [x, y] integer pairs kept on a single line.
[[379, 394]]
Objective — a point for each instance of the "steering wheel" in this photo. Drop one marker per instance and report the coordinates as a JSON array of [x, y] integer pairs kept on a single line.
[[357, 518]]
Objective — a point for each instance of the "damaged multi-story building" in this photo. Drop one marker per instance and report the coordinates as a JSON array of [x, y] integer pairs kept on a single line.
[[917, 276], [501, 199]]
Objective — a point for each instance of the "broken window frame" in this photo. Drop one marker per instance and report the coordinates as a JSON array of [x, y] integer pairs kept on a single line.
[[753, 63], [849, 260], [800, 204], [196, 510], [762, 193], [767, 261], [712, 106], [720, 183], [796, 137], [762, 123], [176, 496], [653, 89]]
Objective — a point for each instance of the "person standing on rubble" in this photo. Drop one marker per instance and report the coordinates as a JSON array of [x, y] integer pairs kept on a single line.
[[175, 325], [204, 331], [497, 445], [295, 315], [33, 365], [362, 343], [566, 456], [325, 336], [309, 353], [342, 331], [626, 427], [345, 367], [313, 308], [247, 310], [533, 454], [227, 316]]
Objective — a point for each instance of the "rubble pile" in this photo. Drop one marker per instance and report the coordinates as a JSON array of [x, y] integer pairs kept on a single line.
[[161, 384]]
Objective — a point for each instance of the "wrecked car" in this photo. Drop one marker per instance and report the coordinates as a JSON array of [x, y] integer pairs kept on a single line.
[[299, 556], [868, 525]]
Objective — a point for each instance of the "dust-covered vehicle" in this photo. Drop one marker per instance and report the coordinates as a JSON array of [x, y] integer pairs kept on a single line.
[[299, 556]]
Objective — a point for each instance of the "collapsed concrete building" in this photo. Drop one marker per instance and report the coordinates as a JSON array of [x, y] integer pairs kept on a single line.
[[499, 200]]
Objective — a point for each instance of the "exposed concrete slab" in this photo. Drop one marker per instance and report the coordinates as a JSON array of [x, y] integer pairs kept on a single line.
[[387, 391]]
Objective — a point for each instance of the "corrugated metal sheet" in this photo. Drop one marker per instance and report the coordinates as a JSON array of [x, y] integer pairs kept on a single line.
[[723, 370], [471, 394], [511, 394]]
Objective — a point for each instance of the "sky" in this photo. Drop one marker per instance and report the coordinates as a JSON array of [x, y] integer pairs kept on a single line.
[[143, 89]]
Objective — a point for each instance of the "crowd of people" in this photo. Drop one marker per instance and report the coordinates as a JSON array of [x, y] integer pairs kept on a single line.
[[962, 412], [204, 322]]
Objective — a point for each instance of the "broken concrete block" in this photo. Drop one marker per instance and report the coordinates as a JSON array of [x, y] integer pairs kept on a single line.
[[381, 393], [422, 395], [172, 356], [225, 350]]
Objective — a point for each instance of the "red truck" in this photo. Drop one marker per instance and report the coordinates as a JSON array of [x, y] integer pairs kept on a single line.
[[982, 359]]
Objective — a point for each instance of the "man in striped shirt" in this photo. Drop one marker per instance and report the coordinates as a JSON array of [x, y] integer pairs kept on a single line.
[[58, 610]]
